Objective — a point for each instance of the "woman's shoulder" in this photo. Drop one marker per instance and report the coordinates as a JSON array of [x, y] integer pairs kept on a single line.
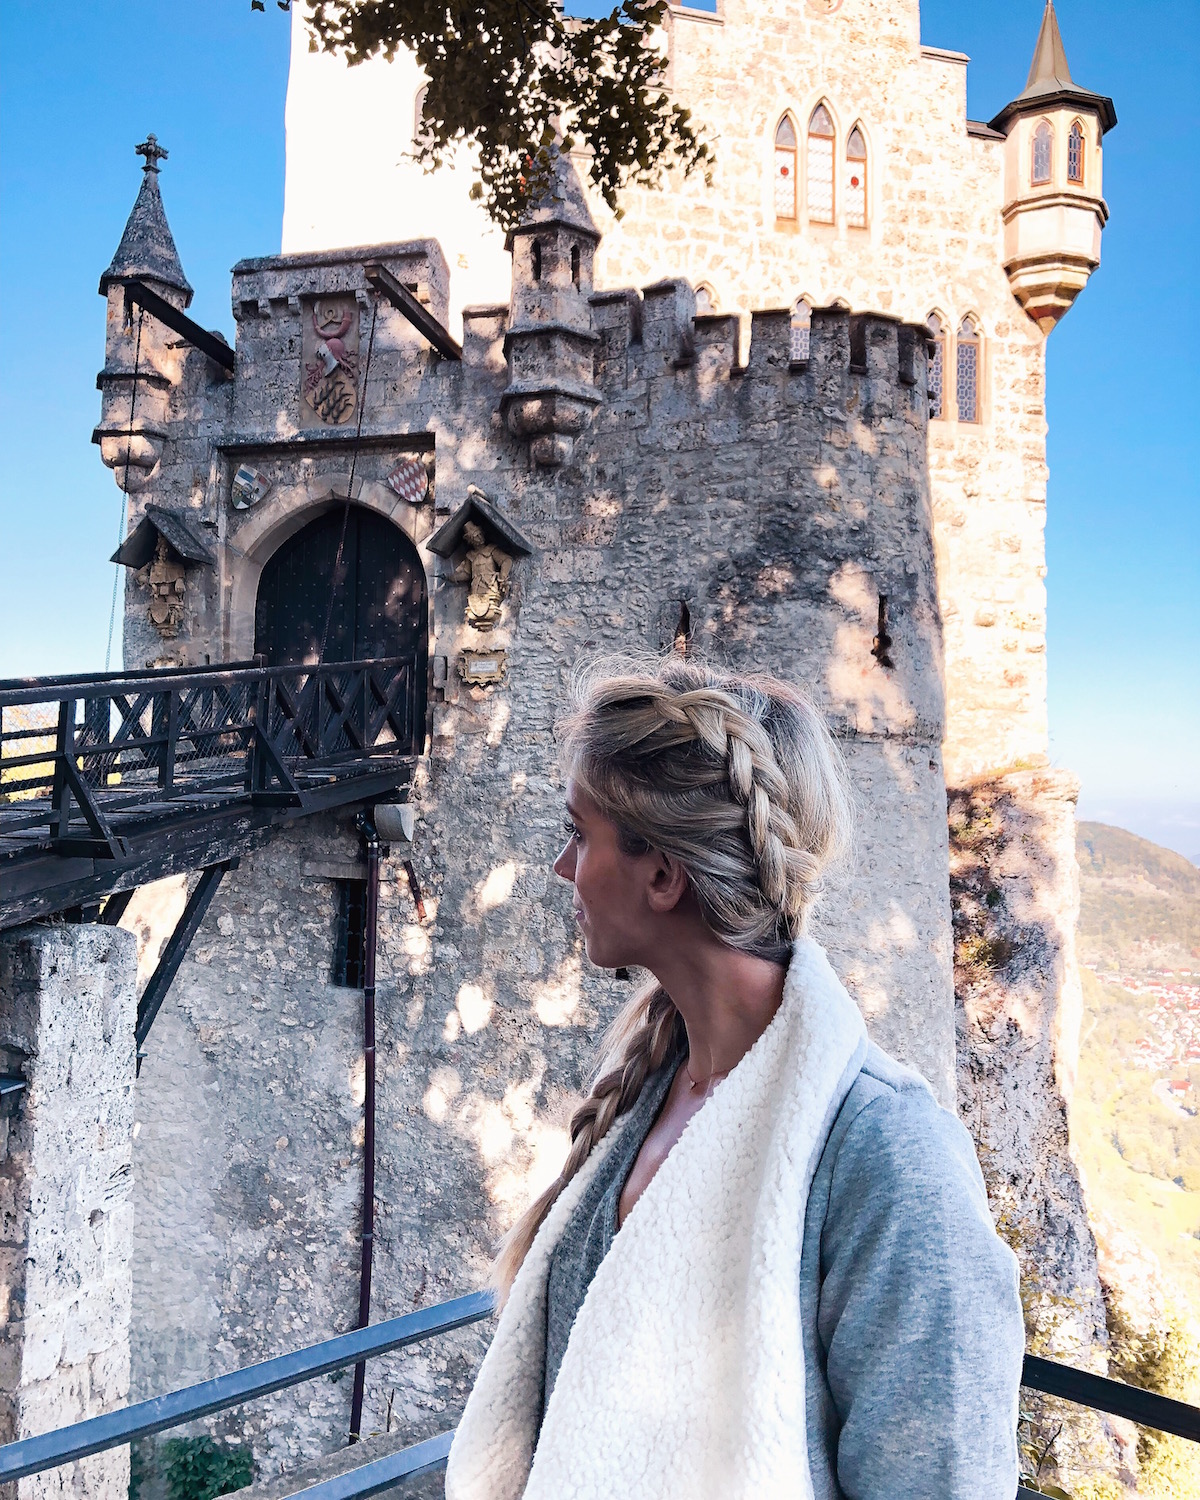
[[891, 1139]]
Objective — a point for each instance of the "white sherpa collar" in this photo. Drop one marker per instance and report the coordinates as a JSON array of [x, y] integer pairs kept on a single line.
[[684, 1370]]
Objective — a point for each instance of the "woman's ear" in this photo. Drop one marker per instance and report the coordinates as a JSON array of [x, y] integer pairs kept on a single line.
[[668, 882]]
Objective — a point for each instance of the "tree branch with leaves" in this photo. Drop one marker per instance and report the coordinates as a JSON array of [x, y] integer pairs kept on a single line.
[[521, 83]]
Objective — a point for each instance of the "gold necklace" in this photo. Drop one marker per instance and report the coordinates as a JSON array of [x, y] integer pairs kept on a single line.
[[703, 1083]]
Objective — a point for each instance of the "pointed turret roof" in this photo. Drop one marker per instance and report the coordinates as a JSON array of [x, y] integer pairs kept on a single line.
[[563, 202], [147, 247], [1050, 80]]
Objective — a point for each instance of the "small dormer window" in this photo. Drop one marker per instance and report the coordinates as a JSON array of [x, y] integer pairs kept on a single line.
[[1075, 154], [856, 180], [785, 169], [801, 331], [966, 370], [820, 166], [1043, 150], [937, 368], [536, 260], [575, 264]]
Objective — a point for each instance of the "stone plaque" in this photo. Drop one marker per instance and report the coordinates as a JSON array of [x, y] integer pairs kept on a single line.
[[481, 668], [329, 359]]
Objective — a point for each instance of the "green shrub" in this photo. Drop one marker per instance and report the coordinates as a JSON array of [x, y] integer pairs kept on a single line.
[[201, 1468]]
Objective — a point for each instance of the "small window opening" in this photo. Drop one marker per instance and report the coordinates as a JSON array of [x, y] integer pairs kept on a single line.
[[856, 180], [575, 264], [683, 629], [536, 256], [350, 935], [1043, 146], [881, 646], [785, 169], [801, 332], [966, 371], [820, 166], [706, 300], [1075, 154], [937, 369]]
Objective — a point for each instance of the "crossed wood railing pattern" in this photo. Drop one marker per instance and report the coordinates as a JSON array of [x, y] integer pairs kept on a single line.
[[83, 759]]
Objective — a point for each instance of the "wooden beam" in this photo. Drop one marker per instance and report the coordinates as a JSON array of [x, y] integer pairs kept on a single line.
[[177, 946], [404, 302], [137, 294]]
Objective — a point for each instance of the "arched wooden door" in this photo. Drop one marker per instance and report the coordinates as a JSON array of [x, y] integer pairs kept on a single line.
[[379, 604]]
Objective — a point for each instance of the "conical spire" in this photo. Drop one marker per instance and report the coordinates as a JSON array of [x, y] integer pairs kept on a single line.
[[1050, 81], [1049, 70], [147, 247]]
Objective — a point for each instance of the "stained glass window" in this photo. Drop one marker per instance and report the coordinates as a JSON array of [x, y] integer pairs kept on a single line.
[[801, 329], [1043, 146], [937, 368], [966, 372], [1075, 154], [856, 180], [820, 166], [785, 169]]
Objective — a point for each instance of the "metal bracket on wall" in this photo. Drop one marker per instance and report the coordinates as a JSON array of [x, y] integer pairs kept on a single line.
[[137, 294], [420, 317], [176, 949]]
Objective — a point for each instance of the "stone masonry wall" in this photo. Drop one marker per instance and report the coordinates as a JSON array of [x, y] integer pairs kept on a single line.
[[67, 1007], [778, 501], [933, 243]]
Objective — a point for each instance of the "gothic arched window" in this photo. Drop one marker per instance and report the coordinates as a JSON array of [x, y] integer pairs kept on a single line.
[[966, 370], [820, 166], [706, 300], [785, 169], [856, 180], [1075, 154], [937, 368], [801, 330], [1043, 150]]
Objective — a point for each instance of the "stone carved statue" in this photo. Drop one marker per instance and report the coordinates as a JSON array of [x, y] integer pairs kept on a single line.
[[166, 581], [486, 568]]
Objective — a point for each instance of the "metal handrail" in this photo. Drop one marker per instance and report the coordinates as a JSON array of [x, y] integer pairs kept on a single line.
[[1083, 1388], [114, 1428], [382, 1473]]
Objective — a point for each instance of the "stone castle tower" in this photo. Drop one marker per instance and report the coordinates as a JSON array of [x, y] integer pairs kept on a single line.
[[796, 420]]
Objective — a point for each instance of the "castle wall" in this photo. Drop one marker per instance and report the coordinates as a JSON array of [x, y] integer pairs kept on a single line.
[[934, 242], [778, 501], [67, 1007]]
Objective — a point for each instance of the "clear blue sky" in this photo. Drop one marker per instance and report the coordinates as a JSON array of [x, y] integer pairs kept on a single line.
[[82, 80]]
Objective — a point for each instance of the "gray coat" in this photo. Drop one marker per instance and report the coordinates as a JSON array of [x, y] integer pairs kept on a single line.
[[912, 1325]]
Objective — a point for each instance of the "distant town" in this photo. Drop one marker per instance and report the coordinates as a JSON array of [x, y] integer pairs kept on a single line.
[[1171, 1040]]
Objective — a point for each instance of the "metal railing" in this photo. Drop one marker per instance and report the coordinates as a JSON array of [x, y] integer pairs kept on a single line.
[[82, 756], [144, 1418]]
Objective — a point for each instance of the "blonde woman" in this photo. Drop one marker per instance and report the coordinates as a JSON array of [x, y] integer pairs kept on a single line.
[[767, 1268]]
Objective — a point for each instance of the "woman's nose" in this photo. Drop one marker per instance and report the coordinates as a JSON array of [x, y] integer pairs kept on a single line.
[[564, 865]]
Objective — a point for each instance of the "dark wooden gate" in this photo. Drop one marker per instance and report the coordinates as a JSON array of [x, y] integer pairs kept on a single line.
[[379, 604]]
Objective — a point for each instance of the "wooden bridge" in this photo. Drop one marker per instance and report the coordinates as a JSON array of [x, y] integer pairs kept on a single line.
[[108, 781]]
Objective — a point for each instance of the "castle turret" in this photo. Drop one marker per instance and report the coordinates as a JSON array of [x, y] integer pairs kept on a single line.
[[550, 342], [133, 412], [1053, 211]]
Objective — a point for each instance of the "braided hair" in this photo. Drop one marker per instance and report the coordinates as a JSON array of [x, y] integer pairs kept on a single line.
[[738, 778]]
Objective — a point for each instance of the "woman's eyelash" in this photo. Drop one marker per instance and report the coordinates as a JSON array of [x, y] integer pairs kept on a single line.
[[569, 828]]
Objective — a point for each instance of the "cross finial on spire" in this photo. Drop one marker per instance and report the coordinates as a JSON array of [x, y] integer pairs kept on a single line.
[[153, 153]]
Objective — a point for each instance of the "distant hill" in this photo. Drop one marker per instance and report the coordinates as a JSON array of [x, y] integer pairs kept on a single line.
[[1139, 903], [1135, 1116]]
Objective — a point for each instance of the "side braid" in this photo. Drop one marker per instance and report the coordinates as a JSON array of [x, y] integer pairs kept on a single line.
[[739, 779], [638, 1044]]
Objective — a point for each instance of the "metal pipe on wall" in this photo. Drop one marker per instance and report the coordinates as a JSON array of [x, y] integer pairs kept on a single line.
[[370, 936]]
